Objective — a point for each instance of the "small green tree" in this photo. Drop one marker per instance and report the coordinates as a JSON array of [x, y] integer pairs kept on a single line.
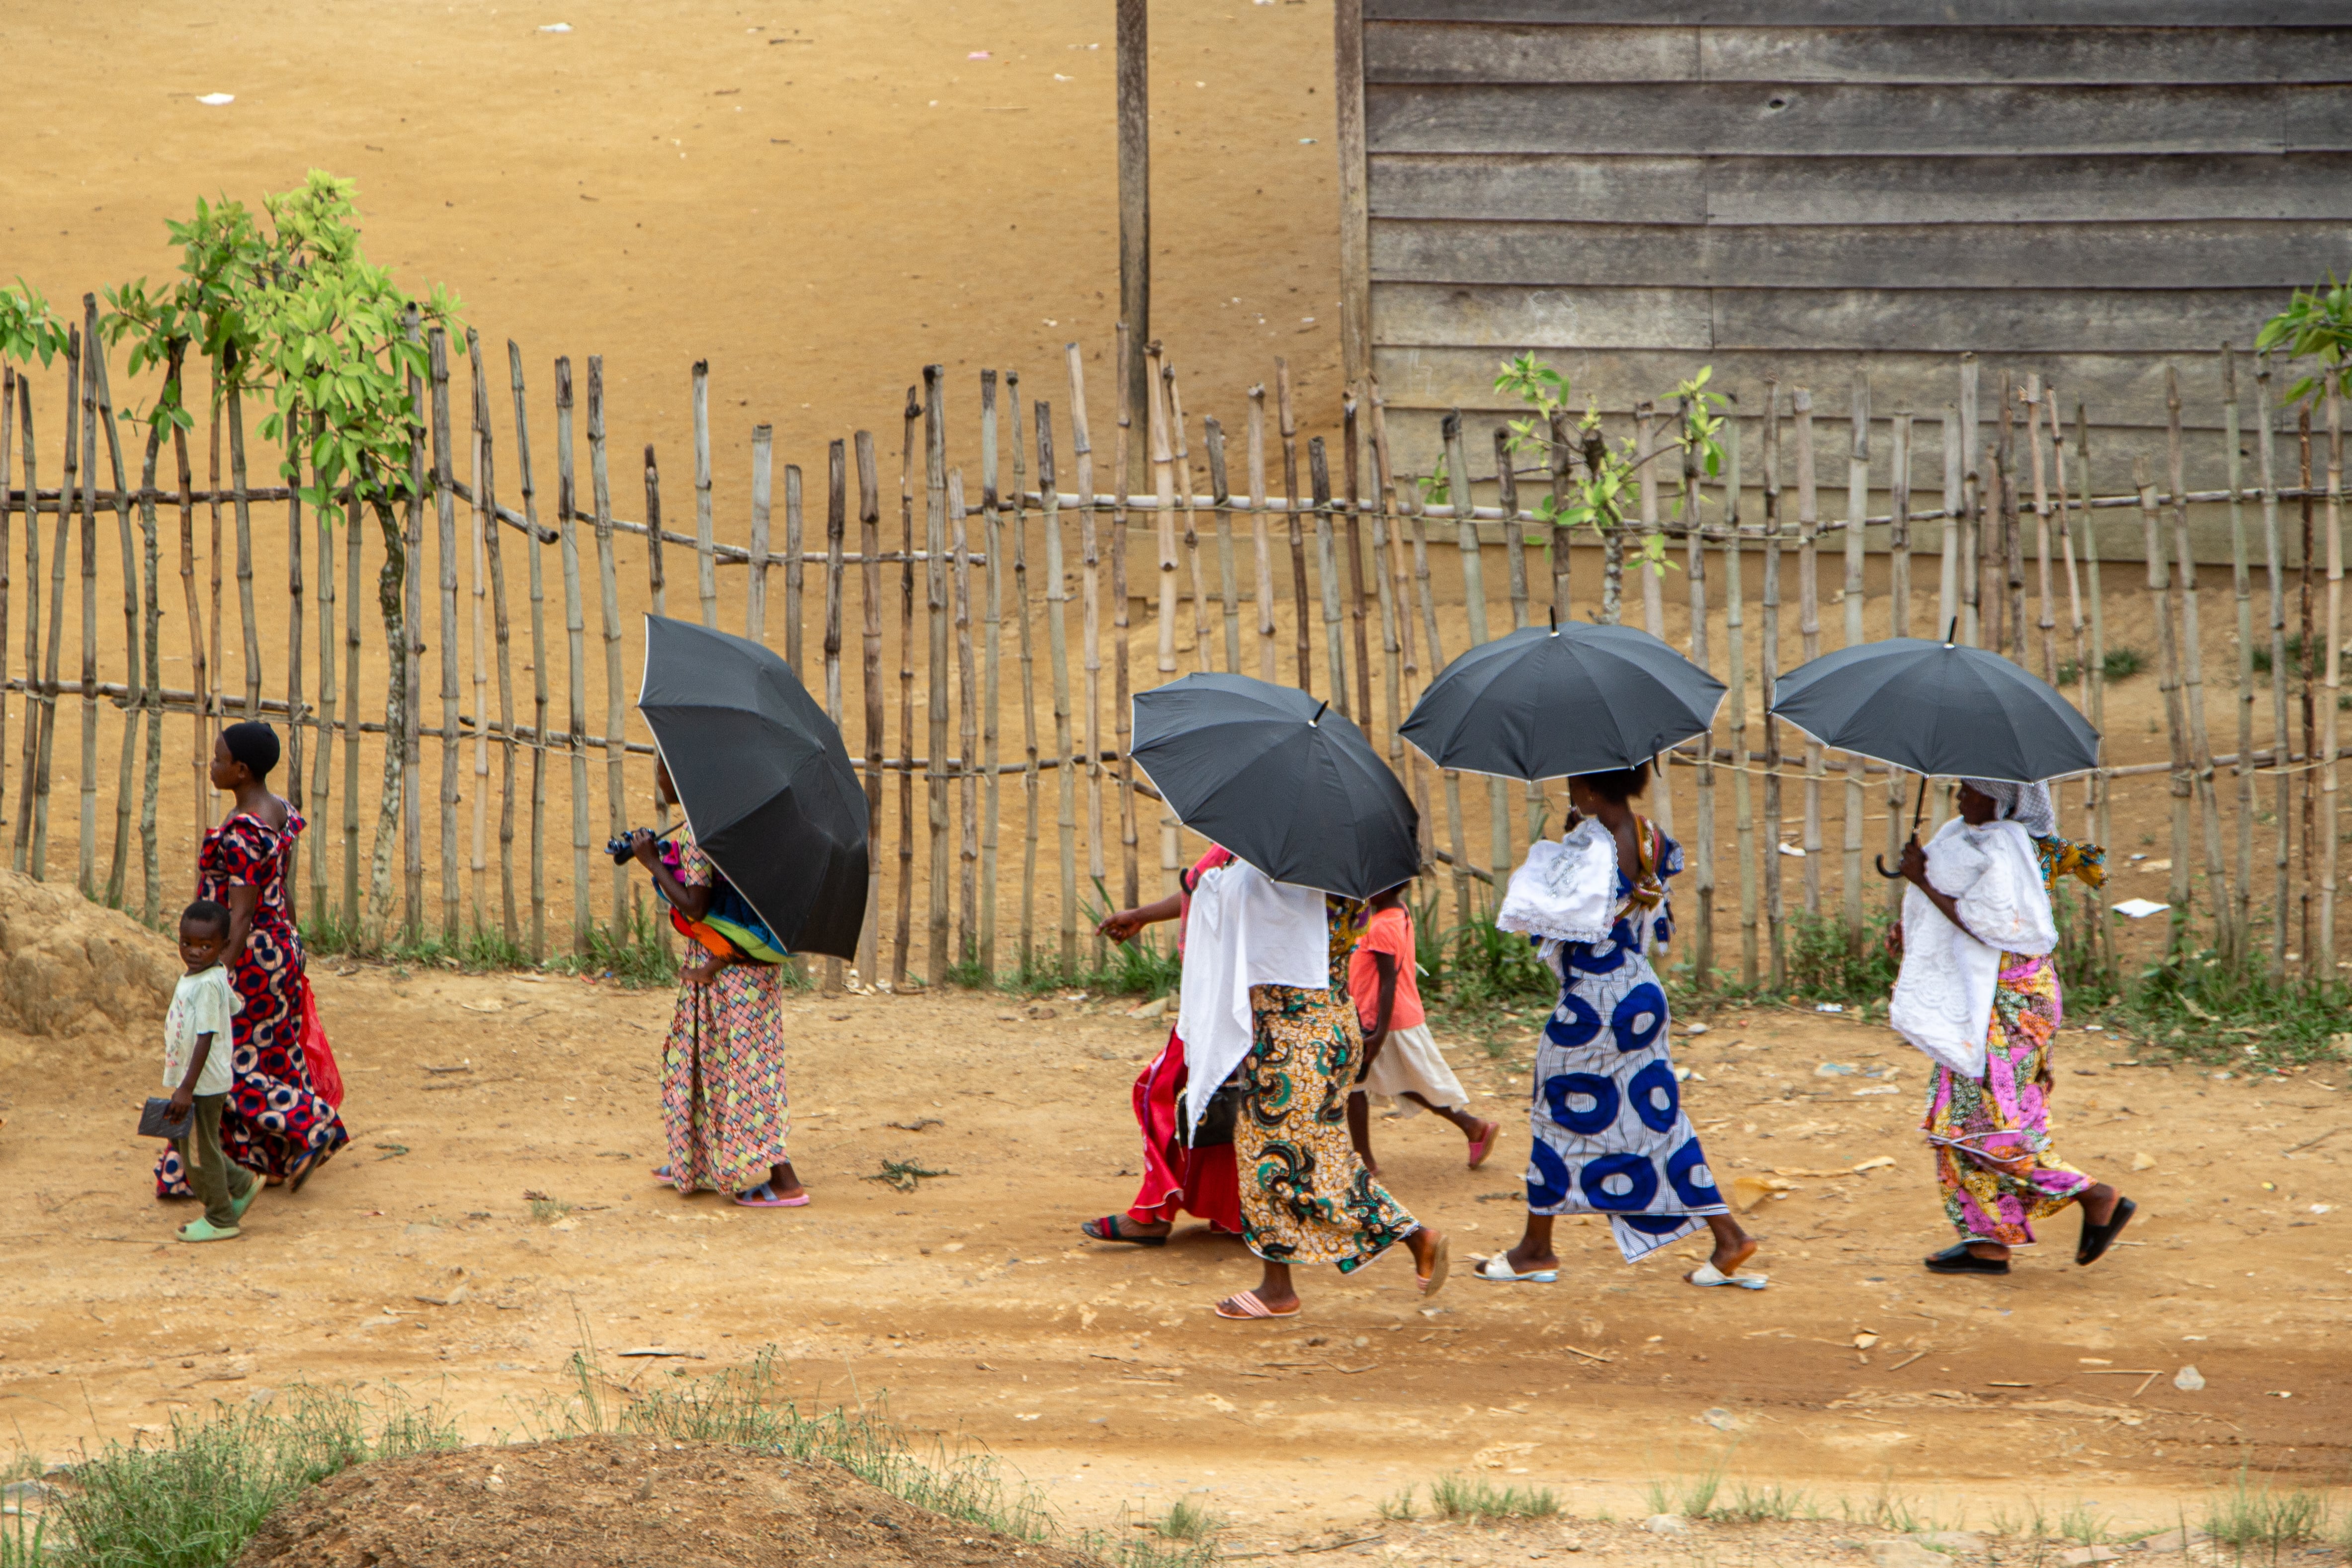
[[28, 328], [2316, 324]]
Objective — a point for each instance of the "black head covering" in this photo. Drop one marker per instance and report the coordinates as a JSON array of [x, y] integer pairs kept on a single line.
[[253, 743]]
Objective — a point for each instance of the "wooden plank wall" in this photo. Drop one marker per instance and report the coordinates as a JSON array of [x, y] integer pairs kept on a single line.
[[1822, 189]]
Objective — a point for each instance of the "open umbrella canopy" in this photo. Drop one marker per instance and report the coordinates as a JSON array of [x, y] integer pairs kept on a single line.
[[765, 781], [1275, 777], [1544, 702], [1938, 708]]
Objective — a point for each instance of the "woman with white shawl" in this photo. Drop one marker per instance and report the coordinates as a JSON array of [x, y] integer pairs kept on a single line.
[[1978, 994], [1265, 1009]]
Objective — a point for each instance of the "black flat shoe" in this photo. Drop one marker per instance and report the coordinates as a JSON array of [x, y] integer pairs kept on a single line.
[[1106, 1229], [1960, 1260], [2097, 1238]]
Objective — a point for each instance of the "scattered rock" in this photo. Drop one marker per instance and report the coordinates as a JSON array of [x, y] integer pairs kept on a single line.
[[2143, 1162], [1904, 1552], [2189, 1380], [2179, 1539], [2083, 1554], [1722, 1420], [1041, 1013], [1154, 1009], [1666, 1524]]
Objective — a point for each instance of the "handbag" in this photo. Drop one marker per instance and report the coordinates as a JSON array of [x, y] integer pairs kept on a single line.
[[1215, 1128], [155, 1120]]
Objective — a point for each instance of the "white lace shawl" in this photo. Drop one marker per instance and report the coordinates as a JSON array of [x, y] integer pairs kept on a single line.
[[1943, 997], [1244, 929], [1566, 891]]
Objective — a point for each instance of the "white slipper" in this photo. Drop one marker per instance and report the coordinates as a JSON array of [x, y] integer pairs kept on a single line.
[[1709, 1274], [1498, 1270]]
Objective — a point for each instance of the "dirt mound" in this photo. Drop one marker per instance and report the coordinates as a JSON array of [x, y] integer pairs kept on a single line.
[[69, 967], [619, 1503]]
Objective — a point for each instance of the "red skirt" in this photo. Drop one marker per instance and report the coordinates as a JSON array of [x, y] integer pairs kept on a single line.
[[1177, 1179]]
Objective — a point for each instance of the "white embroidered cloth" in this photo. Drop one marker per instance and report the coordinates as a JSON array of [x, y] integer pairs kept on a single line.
[[1943, 995], [1566, 891], [1244, 929]]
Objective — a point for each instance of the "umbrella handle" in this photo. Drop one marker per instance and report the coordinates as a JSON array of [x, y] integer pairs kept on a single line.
[[1889, 876]]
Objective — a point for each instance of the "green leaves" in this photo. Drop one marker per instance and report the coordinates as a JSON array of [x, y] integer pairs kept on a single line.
[[2316, 324], [28, 327]]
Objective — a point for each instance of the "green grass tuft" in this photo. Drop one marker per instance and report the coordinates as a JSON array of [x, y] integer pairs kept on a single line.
[[1481, 1501], [2123, 663], [1188, 1521], [2252, 1515]]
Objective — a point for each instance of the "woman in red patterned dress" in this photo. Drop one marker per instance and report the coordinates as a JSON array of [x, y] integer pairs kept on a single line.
[[281, 1119]]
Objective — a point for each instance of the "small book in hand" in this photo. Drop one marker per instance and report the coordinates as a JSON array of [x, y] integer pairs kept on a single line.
[[155, 1120]]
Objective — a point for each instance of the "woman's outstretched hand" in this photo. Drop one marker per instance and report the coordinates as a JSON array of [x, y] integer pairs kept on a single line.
[[1123, 926]]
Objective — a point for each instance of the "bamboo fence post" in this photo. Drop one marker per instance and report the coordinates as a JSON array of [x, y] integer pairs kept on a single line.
[[2048, 621], [1290, 426], [1653, 601], [2242, 583], [1090, 627], [1515, 555], [1222, 509], [2093, 581], [576, 663], [58, 541], [1166, 412], [2169, 675], [1058, 648], [538, 660], [967, 730], [445, 519], [1970, 522], [2012, 532], [705, 573], [1355, 545], [935, 542], [836, 524], [1857, 509], [1898, 603], [1613, 544], [1183, 455], [903, 938], [1262, 553], [1396, 620], [323, 766], [656, 586], [1768, 688], [1326, 576], [134, 682], [1121, 714], [1734, 620], [1163, 483], [2327, 780], [608, 586], [2193, 680], [477, 544], [1703, 828], [31, 740], [2308, 663], [1029, 771], [295, 705], [1992, 502], [794, 566], [32, 516], [411, 736], [1451, 777], [990, 663], [502, 645], [2073, 601], [1809, 625], [2281, 746], [869, 549], [1948, 570], [1474, 600], [755, 579], [353, 565], [218, 663], [94, 350]]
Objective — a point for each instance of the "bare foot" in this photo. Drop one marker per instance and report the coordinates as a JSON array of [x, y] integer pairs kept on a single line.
[[1429, 1259], [1730, 1254]]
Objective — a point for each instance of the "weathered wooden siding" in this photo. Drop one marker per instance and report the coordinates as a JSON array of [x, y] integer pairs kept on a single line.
[[1818, 189]]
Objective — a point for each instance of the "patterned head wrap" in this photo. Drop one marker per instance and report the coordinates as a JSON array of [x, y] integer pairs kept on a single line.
[[2027, 805]]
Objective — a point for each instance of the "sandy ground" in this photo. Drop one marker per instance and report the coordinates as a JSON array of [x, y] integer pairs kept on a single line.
[[974, 1306]]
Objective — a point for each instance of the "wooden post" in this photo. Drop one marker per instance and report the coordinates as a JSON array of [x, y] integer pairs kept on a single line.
[[445, 519], [22, 848], [135, 692], [1735, 619], [1857, 508], [2192, 679], [705, 573], [794, 566], [1221, 500], [1474, 601], [1703, 828], [935, 544], [323, 764], [2047, 622], [1809, 626], [1612, 546], [1389, 577], [1029, 770], [1353, 446], [32, 519], [616, 695], [991, 675], [1948, 570], [1768, 688], [538, 663], [1183, 454], [1164, 483], [903, 938], [576, 663], [2013, 535], [2282, 743], [412, 735], [1653, 603], [1121, 714], [2327, 780], [2093, 581], [1262, 557], [1455, 844], [2308, 667], [1970, 521], [2241, 583], [1133, 67], [58, 541], [2082, 646], [1090, 627], [2169, 672], [1290, 514], [1057, 647], [967, 945], [1898, 599], [656, 585], [836, 524], [755, 581], [1514, 556], [477, 544], [1326, 573], [502, 645], [869, 549], [94, 350]]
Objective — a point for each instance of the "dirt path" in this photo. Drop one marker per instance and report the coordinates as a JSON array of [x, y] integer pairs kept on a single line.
[[972, 1304]]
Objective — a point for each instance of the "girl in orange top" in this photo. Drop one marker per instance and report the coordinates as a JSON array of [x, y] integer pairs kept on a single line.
[[1403, 1062]]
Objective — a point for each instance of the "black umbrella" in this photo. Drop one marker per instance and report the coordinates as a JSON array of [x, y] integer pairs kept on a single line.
[[1541, 702], [765, 780], [1275, 777], [1938, 708]]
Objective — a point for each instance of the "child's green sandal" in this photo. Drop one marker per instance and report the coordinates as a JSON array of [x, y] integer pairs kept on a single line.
[[238, 1206], [205, 1231]]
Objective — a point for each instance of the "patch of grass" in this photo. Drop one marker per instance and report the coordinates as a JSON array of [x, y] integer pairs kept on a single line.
[[1475, 1499], [2250, 1514], [1765, 1504], [2123, 663], [2198, 1007], [545, 1209], [1692, 1496], [904, 1173], [1888, 1510], [1188, 1521], [1399, 1506], [2082, 1525], [1825, 966]]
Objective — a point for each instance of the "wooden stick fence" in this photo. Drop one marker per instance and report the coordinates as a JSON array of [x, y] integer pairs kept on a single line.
[[995, 523]]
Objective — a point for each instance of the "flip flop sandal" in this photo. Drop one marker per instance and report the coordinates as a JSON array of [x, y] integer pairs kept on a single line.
[[1960, 1260], [1435, 1281], [1251, 1307], [1106, 1229], [2097, 1238], [304, 1170], [238, 1206], [1498, 1270], [1706, 1276], [1481, 1147], [205, 1231], [764, 1197], [664, 1174]]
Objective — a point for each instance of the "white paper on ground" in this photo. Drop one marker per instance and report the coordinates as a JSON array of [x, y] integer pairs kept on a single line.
[[2140, 908], [214, 99]]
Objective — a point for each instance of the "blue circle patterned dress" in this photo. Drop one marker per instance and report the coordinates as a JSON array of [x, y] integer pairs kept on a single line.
[[1610, 1137]]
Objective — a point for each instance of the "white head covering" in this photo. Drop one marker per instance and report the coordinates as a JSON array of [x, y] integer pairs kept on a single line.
[[1244, 929], [2027, 805]]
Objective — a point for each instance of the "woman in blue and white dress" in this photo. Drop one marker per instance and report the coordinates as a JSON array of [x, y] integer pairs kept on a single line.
[[1610, 1137]]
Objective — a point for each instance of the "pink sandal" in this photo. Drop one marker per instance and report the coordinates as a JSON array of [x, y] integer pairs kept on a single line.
[[1481, 1147], [764, 1197], [1251, 1307]]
